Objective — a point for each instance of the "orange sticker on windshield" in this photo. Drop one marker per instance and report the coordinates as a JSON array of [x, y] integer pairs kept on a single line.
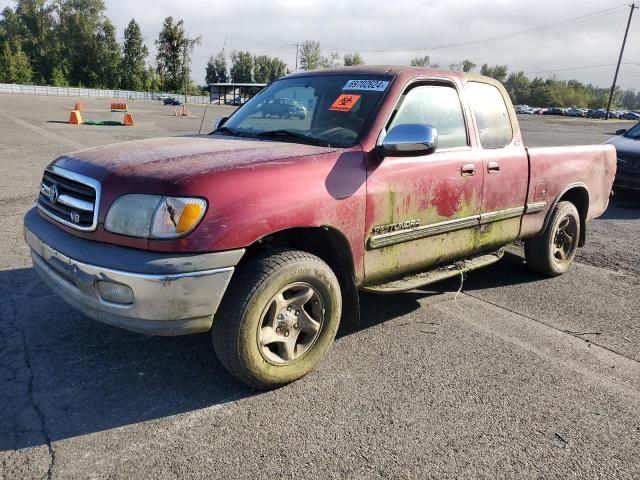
[[344, 102]]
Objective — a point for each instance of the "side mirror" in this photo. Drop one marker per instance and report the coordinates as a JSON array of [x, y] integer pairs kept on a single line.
[[410, 140], [219, 122], [622, 131]]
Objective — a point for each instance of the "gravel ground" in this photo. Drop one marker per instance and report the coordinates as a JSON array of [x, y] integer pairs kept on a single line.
[[515, 377]]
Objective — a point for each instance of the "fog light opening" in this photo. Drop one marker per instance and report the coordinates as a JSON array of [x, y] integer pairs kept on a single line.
[[115, 292]]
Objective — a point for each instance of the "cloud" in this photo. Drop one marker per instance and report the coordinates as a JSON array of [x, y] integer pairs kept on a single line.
[[393, 32]]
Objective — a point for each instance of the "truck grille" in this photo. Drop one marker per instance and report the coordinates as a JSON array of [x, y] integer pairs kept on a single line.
[[69, 198]]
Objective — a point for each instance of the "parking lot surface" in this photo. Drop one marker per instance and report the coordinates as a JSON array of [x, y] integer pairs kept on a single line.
[[516, 376]]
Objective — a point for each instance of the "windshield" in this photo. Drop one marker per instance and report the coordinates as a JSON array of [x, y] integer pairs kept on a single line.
[[327, 110], [634, 132]]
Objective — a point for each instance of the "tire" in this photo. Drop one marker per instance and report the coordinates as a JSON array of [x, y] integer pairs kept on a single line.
[[553, 252], [249, 339]]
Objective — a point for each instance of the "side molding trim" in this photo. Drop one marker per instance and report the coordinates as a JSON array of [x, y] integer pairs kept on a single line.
[[424, 231], [535, 207]]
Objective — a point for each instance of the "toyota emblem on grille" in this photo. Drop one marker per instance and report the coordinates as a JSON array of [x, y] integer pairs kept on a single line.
[[53, 193]]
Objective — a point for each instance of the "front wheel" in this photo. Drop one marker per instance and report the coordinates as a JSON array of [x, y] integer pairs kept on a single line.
[[279, 319], [553, 252]]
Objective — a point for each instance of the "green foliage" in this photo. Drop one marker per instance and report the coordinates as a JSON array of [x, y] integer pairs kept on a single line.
[[216, 70], [266, 69], [107, 58], [352, 59], [134, 53], [421, 61], [59, 77], [278, 69], [311, 56], [241, 67], [499, 72], [468, 66], [81, 23], [14, 65], [173, 59]]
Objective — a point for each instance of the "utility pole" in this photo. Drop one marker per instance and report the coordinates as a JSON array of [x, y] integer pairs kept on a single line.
[[298, 45], [184, 72], [632, 7]]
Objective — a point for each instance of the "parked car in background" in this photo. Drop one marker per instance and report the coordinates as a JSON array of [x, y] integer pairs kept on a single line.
[[553, 111], [283, 107], [162, 97], [627, 143], [596, 113], [631, 116], [172, 101], [575, 112]]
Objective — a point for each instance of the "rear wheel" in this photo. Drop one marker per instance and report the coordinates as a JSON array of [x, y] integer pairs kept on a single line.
[[279, 319], [553, 252]]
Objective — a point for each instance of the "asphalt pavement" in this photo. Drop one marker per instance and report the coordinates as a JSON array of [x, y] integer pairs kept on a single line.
[[514, 376]]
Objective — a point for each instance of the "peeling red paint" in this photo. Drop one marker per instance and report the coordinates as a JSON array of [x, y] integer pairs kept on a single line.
[[446, 199]]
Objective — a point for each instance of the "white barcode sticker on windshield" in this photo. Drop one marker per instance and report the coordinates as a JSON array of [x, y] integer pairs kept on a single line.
[[371, 85]]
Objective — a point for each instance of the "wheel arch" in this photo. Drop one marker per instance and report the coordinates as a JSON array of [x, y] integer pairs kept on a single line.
[[331, 246], [578, 194]]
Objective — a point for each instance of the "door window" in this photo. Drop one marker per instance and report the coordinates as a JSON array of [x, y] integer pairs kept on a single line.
[[437, 106], [491, 115]]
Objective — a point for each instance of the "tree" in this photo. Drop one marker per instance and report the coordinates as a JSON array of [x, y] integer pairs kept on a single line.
[[173, 59], [216, 70], [80, 22], [107, 58], [38, 37], [59, 77], [278, 69], [421, 61], [261, 68], [352, 59], [311, 55], [241, 67], [499, 72], [7, 64], [468, 66], [14, 66], [134, 53], [519, 87], [629, 99], [22, 67], [266, 69]]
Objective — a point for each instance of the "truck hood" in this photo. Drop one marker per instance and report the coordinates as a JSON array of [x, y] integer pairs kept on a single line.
[[153, 165]]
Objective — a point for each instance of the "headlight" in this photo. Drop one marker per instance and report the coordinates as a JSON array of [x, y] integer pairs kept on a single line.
[[154, 216]]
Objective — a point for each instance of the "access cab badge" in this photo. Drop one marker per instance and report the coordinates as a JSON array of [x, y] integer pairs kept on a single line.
[[370, 85]]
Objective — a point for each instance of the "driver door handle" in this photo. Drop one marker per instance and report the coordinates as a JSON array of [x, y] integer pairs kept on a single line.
[[493, 167], [468, 169]]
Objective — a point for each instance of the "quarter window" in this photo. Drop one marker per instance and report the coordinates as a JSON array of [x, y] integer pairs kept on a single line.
[[437, 106], [491, 115]]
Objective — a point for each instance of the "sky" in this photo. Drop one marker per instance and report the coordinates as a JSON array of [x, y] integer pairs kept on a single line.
[[578, 39]]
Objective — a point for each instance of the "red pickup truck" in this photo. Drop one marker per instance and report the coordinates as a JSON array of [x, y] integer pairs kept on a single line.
[[263, 231]]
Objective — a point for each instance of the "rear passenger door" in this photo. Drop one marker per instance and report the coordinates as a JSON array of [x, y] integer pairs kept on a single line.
[[505, 164]]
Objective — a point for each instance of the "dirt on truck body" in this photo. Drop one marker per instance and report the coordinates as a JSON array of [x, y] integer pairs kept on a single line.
[[263, 231]]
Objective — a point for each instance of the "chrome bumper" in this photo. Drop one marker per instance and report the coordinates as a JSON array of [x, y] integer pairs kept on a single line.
[[161, 304]]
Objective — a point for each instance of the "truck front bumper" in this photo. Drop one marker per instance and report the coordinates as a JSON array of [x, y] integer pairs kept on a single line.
[[143, 291]]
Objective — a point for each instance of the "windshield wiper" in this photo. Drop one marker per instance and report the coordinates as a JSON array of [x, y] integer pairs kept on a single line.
[[289, 134], [226, 131]]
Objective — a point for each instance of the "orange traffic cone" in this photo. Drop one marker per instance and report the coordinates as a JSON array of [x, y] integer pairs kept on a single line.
[[128, 120], [79, 107], [75, 118]]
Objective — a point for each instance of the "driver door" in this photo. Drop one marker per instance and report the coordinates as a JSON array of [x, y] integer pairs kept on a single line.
[[424, 211]]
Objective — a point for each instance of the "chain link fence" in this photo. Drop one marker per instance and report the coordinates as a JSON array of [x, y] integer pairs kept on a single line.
[[94, 92]]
